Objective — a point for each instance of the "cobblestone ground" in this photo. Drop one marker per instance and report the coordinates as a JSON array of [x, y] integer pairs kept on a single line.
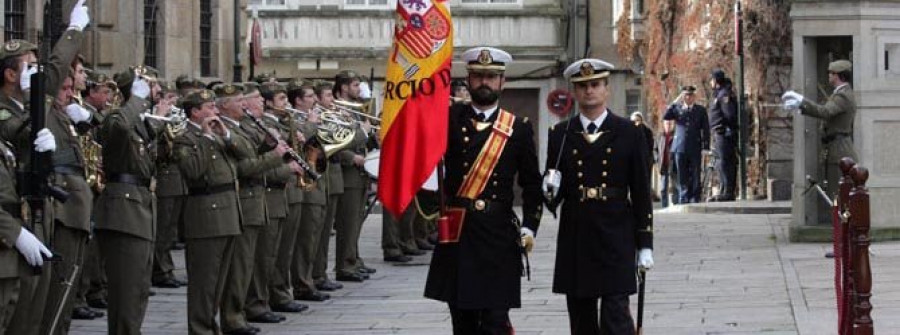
[[715, 274]]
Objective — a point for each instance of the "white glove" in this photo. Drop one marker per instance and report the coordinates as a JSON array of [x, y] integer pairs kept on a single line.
[[791, 100], [45, 141], [645, 259], [79, 17], [527, 239], [550, 186], [25, 77], [364, 91], [140, 88], [792, 105], [77, 113], [31, 248]]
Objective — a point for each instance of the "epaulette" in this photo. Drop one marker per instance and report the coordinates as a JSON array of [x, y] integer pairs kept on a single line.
[[525, 119]]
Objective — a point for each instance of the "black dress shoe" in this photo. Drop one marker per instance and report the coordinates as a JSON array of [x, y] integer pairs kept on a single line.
[[151, 293], [167, 283], [397, 258], [241, 331], [423, 245], [181, 282], [255, 329], [414, 252], [313, 296], [366, 269], [178, 246], [98, 303], [365, 276], [354, 277], [291, 307], [83, 313], [829, 254], [280, 317], [266, 317], [329, 285]]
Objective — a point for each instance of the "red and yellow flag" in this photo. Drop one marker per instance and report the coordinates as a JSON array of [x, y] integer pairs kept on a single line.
[[416, 100]]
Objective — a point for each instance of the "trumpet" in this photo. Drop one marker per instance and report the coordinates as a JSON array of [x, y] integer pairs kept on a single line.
[[170, 119], [354, 108]]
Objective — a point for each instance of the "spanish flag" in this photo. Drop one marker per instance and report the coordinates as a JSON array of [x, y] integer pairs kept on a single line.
[[416, 100]]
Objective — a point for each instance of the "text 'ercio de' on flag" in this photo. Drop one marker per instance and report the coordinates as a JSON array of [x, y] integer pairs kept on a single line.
[[416, 100]]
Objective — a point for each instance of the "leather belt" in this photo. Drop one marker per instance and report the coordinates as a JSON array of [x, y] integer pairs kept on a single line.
[[211, 189], [829, 138], [603, 193], [13, 209], [127, 178], [72, 170], [477, 205]]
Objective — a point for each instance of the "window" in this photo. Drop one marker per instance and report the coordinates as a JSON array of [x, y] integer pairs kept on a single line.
[[268, 2], [632, 101], [479, 2], [14, 19], [151, 9], [206, 15], [369, 4]]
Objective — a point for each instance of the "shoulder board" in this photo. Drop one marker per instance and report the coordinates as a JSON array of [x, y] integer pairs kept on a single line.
[[5, 114]]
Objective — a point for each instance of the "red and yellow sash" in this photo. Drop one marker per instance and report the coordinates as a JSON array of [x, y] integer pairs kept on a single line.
[[474, 182]]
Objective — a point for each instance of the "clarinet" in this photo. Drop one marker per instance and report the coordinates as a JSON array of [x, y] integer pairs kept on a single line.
[[290, 154]]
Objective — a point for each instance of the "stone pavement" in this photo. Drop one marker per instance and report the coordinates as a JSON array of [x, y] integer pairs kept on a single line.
[[715, 274]]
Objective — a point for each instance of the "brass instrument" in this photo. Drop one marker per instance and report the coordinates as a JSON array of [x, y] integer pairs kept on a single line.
[[92, 153], [355, 108]]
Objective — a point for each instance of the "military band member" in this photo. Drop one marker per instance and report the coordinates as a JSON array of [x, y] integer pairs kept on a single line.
[[477, 273], [257, 99], [335, 180], [314, 201], [18, 60], [251, 167], [837, 115], [171, 192], [205, 155], [72, 218], [690, 144], [124, 214], [606, 216], [351, 205]]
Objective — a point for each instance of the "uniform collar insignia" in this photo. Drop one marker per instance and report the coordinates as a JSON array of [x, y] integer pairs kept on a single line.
[[591, 138], [587, 69]]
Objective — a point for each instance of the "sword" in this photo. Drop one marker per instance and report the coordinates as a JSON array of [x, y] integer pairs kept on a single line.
[[642, 281], [62, 303]]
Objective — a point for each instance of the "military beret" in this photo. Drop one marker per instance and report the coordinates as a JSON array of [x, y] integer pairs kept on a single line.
[[839, 66], [272, 87], [199, 84], [95, 78], [299, 83], [263, 77], [587, 69], [14, 48], [348, 75], [124, 79], [198, 98], [168, 86], [211, 85], [183, 82], [228, 90], [483, 59], [147, 72], [250, 87], [688, 89]]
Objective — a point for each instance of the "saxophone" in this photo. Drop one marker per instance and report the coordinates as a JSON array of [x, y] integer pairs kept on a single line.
[[92, 152]]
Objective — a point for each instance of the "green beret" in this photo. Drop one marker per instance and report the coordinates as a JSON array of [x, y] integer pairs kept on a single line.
[[124, 79], [183, 82], [168, 86], [146, 71], [299, 83], [13, 48], [263, 77], [95, 78], [250, 87], [839, 66], [198, 98], [347, 74], [272, 88], [228, 90]]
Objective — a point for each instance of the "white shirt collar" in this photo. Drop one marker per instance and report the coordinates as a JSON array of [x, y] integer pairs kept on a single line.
[[21, 106], [194, 124], [585, 122], [230, 120], [840, 87], [487, 112]]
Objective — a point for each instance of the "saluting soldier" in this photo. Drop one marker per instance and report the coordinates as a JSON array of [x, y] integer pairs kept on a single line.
[[477, 273], [690, 144], [837, 115], [124, 214], [257, 99], [251, 167], [335, 179], [205, 155], [606, 216], [19, 62]]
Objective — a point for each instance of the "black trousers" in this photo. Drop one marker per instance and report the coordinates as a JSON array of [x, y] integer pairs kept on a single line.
[[615, 318], [480, 321], [726, 166]]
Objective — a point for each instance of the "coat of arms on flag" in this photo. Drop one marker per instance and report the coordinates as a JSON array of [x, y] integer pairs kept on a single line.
[[421, 27]]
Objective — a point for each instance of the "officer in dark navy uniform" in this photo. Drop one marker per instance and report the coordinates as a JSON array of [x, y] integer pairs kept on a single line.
[[691, 141], [723, 120], [603, 184], [479, 274]]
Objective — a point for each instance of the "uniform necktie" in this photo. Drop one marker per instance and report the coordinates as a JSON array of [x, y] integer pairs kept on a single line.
[[592, 128], [479, 117]]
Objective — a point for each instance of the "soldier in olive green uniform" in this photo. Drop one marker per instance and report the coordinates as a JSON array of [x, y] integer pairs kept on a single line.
[[72, 218], [252, 163], [282, 300], [171, 192], [351, 206], [334, 179], [15, 128], [837, 115], [257, 307], [124, 212], [315, 196], [205, 153]]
